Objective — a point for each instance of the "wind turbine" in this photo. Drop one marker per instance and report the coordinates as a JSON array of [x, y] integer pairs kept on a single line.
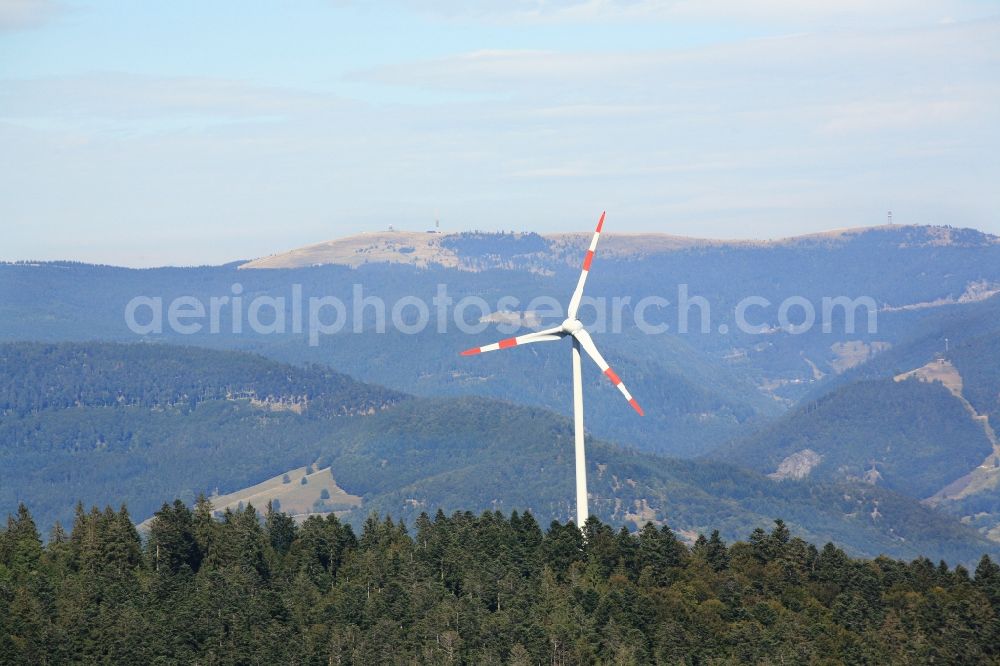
[[572, 328]]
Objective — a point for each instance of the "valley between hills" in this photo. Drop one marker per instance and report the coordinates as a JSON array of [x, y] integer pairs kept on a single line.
[[876, 439]]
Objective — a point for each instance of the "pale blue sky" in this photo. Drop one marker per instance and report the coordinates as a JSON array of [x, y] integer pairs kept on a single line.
[[203, 132]]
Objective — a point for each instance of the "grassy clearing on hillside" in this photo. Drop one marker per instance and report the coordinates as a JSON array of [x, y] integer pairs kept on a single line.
[[938, 370], [297, 499]]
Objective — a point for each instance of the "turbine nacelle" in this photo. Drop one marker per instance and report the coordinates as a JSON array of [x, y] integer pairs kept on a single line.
[[571, 326]]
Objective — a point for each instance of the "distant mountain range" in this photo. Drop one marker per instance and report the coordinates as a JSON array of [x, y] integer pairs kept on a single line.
[[826, 407], [480, 251]]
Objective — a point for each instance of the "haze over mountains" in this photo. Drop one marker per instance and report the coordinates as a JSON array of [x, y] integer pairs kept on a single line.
[[860, 414]]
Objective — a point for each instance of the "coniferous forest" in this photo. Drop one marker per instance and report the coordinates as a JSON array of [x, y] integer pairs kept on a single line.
[[257, 588]]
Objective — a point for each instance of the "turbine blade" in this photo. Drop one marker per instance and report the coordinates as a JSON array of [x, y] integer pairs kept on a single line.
[[547, 335], [588, 346], [574, 302]]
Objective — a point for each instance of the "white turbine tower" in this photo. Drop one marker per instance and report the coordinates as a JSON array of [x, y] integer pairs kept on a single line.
[[581, 339]]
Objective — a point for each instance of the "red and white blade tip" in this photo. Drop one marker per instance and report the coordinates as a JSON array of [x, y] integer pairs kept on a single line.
[[503, 344], [600, 222], [617, 381]]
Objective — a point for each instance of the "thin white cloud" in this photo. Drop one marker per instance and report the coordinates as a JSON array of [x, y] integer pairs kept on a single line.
[[833, 60], [908, 115], [121, 95], [926, 81]]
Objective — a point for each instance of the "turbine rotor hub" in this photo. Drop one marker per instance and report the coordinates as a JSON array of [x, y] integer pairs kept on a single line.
[[572, 326]]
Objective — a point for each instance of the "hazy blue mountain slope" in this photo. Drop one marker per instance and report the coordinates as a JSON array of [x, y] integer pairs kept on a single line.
[[978, 361], [693, 400], [471, 453], [921, 337], [911, 436]]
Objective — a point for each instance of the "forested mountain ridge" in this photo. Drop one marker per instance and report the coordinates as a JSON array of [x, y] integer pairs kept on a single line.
[[488, 589], [964, 334], [36, 376], [978, 362], [911, 436], [921, 419], [522, 458], [414, 454]]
